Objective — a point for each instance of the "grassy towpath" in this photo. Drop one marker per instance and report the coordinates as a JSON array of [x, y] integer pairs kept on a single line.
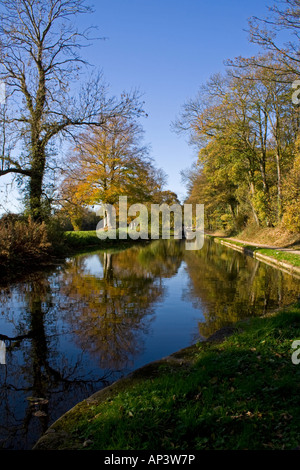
[[283, 257]]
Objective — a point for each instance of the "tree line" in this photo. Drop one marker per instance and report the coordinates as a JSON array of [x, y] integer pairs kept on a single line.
[[245, 125]]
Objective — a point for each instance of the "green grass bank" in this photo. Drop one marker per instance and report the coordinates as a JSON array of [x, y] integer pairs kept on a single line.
[[278, 257], [234, 393], [77, 242]]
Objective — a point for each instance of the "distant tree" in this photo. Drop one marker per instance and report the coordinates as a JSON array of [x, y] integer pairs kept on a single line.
[[40, 64], [165, 197]]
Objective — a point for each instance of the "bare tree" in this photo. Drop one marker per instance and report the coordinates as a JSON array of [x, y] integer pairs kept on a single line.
[[43, 70], [278, 33], [284, 17]]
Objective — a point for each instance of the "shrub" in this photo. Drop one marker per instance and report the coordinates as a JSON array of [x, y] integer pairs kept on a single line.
[[22, 241]]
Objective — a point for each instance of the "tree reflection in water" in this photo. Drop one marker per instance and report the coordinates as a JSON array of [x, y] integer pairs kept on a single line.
[[232, 287], [37, 374], [76, 330], [71, 333], [110, 311]]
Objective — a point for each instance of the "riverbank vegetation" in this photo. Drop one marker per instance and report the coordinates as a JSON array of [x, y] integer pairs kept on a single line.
[[27, 245], [22, 241], [234, 394], [78, 240], [289, 257]]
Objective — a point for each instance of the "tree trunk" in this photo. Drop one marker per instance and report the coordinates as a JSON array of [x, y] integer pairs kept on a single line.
[[265, 190], [108, 266], [36, 184], [110, 216], [262, 165], [279, 187], [252, 191]]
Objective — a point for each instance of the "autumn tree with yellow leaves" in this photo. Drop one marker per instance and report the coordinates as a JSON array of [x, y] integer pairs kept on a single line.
[[107, 163], [244, 128]]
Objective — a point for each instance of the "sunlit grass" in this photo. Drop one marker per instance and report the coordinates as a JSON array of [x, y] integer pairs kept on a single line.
[[277, 254], [81, 239], [290, 258]]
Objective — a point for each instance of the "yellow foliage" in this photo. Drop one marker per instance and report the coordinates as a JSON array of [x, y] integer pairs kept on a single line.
[[291, 218], [106, 164]]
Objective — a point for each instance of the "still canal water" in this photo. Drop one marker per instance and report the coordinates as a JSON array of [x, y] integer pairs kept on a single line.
[[66, 334]]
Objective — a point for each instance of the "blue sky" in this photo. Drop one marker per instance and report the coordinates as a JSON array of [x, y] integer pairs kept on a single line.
[[167, 49]]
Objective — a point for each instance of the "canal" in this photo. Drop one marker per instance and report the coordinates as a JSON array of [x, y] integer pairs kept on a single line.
[[67, 333]]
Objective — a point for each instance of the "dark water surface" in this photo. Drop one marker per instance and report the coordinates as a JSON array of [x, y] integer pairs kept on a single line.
[[67, 334]]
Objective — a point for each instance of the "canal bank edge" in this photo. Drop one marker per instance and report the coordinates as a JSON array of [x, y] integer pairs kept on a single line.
[[282, 265], [57, 436]]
